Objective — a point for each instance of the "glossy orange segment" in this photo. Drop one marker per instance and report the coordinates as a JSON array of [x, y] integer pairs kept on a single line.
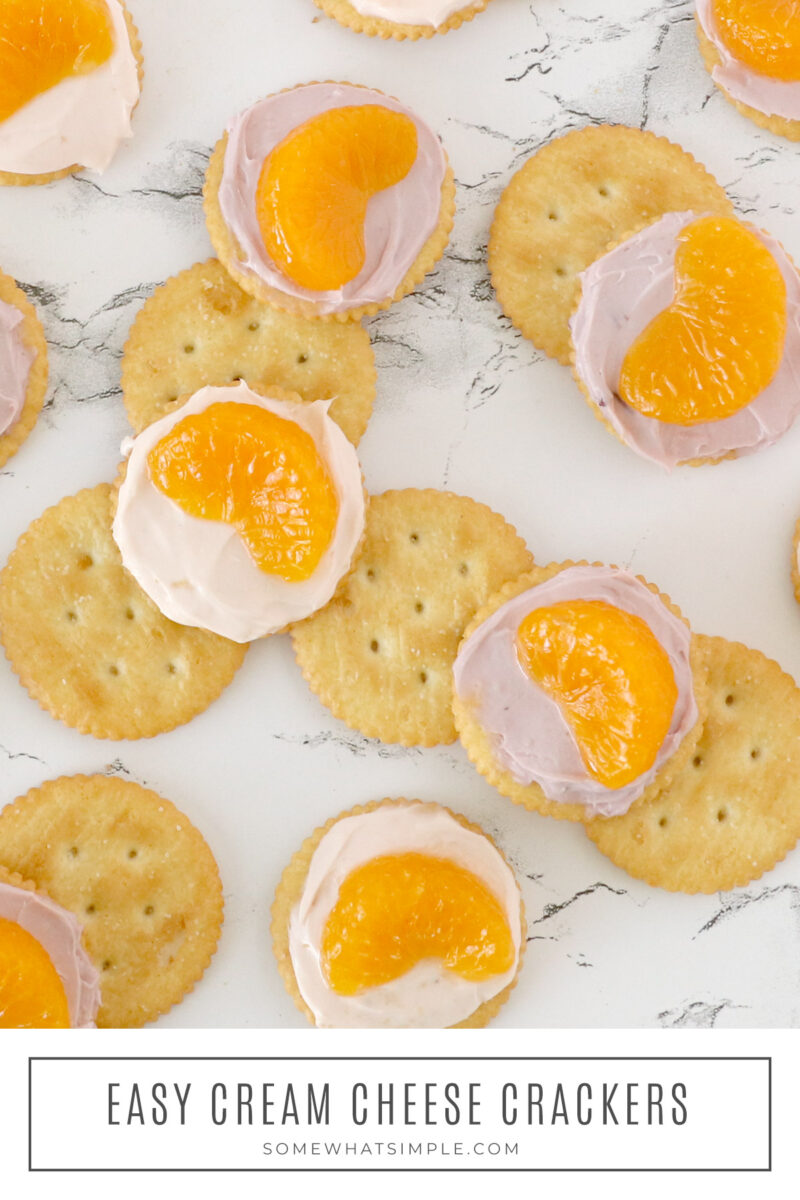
[[762, 34], [45, 41], [32, 995], [396, 910], [258, 472], [719, 344], [611, 678], [312, 194]]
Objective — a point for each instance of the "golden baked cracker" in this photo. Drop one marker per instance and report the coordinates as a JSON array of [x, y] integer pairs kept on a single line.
[[138, 876], [229, 251], [380, 656], [290, 891], [200, 328], [477, 742], [733, 811], [11, 179], [33, 337], [568, 203], [87, 642], [783, 126], [344, 12]]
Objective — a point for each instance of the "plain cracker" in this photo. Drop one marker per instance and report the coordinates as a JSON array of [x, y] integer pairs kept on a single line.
[[733, 812], [201, 329], [290, 890], [87, 642], [380, 656], [32, 336], [344, 12], [568, 203], [477, 741], [137, 875]]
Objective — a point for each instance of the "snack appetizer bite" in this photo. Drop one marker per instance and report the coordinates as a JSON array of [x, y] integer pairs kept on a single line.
[[200, 328], [329, 200], [47, 980], [398, 915], [687, 339], [241, 511], [732, 811], [23, 367], [380, 656], [123, 864], [401, 19], [577, 691], [752, 50], [70, 77], [87, 642]]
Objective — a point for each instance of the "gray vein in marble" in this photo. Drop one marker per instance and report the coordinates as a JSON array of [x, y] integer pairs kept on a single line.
[[696, 1014], [738, 902]]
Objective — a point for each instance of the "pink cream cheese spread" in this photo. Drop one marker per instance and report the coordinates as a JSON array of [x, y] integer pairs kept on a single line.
[[16, 360], [399, 219], [622, 292], [774, 97], [410, 12], [530, 736], [59, 934]]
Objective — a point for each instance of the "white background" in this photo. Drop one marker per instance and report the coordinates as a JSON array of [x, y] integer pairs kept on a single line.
[[465, 403]]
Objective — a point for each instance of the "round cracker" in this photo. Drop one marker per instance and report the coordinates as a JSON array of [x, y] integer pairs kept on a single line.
[[477, 741], [230, 254], [137, 875], [87, 642], [33, 337], [576, 196], [290, 890], [783, 126], [733, 811], [12, 179], [344, 12], [201, 329], [380, 656]]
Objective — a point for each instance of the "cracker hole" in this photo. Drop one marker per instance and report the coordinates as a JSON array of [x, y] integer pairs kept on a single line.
[[722, 815], [253, 326], [413, 537], [188, 348], [755, 752], [236, 378], [112, 670], [73, 851], [301, 358], [133, 853], [85, 561], [149, 910], [129, 614], [602, 191], [697, 761], [552, 216], [171, 668], [172, 399], [662, 821], [560, 271], [423, 676], [72, 616], [419, 606], [370, 573], [373, 646], [463, 569], [729, 699], [107, 964], [90, 908]]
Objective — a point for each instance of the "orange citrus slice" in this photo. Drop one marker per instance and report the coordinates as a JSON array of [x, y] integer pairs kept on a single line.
[[312, 194], [720, 342], [762, 34], [32, 995], [45, 41], [258, 472], [398, 909], [611, 678]]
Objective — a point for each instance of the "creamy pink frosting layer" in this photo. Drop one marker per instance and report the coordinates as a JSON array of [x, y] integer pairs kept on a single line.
[[775, 97], [530, 736], [59, 933], [621, 294], [399, 219], [15, 365]]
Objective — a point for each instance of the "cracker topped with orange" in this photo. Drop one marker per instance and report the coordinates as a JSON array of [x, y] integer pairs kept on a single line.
[[329, 200], [70, 77]]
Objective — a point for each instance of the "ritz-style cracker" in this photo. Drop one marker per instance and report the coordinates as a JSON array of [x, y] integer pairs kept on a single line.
[[344, 12]]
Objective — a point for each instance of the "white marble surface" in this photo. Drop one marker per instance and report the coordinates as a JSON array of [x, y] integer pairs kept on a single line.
[[464, 402]]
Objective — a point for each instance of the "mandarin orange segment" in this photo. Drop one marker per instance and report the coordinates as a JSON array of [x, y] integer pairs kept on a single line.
[[762, 34], [45, 41], [32, 995], [312, 194], [258, 472], [720, 342], [611, 678], [398, 909]]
